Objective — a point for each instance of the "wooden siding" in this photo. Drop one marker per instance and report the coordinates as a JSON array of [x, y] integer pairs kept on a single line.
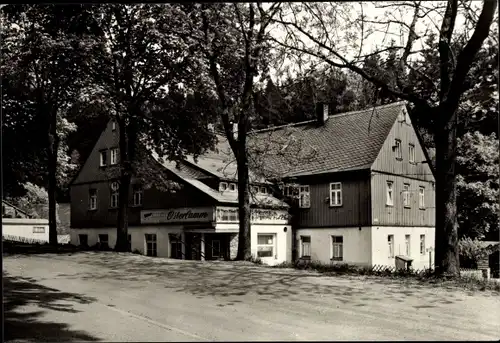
[[386, 160], [91, 171], [104, 216], [355, 209], [398, 215]]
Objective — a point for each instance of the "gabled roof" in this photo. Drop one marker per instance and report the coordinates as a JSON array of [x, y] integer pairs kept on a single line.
[[227, 197], [346, 142]]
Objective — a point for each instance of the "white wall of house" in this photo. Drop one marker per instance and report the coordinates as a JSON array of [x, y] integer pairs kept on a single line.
[[356, 244], [137, 235], [380, 245], [282, 242], [25, 228]]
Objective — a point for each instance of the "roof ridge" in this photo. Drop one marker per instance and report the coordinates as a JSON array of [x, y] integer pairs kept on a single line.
[[331, 115]]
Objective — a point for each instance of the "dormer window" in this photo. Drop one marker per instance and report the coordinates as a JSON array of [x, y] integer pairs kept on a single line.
[[222, 186], [263, 190], [103, 158], [232, 187], [255, 189]]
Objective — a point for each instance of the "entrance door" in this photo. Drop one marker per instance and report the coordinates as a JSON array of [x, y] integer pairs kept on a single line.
[[193, 246], [175, 246], [216, 251]]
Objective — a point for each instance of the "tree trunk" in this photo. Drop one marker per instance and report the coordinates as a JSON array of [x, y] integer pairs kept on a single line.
[[446, 249], [125, 180], [52, 171], [244, 243]]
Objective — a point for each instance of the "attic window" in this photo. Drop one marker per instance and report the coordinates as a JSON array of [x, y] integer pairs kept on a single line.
[[232, 187], [263, 190], [222, 186], [397, 149]]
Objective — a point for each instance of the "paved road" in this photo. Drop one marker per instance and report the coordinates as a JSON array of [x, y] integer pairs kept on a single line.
[[119, 297]]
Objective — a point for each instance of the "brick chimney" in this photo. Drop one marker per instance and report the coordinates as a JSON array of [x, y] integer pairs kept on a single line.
[[322, 111]]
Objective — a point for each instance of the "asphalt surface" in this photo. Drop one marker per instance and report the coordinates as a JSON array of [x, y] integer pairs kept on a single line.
[[120, 297]]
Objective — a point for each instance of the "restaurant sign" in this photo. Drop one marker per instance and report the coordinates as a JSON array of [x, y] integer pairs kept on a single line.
[[177, 215]]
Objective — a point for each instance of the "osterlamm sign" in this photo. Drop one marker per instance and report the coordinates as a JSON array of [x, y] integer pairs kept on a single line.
[[177, 215]]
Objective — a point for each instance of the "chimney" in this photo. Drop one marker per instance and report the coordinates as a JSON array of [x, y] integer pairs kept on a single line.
[[235, 130], [322, 110]]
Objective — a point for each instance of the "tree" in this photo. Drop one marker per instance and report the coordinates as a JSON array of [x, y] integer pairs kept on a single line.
[[312, 30], [42, 58], [144, 77], [231, 40]]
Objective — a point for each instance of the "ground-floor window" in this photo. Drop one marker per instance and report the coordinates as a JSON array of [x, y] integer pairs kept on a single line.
[[337, 248], [216, 248], [175, 246], [150, 244], [390, 242], [305, 242], [103, 241], [266, 245], [83, 240]]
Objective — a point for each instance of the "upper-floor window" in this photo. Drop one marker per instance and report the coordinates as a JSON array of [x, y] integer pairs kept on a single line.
[[113, 199], [336, 194], [304, 197], [92, 199], [411, 153], [114, 156], [291, 191], [421, 197], [103, 158], [222, 186], [406, 195], [389, 201], [138, 194], [227, 215], [397, 149]]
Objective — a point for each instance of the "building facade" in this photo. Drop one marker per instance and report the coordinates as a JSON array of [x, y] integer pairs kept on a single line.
[[363, 195]]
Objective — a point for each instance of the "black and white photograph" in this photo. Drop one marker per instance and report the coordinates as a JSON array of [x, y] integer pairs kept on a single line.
[[250, 171]]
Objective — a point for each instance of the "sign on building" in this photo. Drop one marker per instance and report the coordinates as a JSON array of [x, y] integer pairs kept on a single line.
[[177, 215]]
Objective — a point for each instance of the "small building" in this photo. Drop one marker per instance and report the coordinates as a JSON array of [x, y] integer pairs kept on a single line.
[[344, 188], [19, 226]]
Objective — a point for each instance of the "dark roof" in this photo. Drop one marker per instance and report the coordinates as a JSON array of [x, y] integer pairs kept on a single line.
[[347, 141]]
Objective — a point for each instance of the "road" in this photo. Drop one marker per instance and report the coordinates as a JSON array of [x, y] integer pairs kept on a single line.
[[119, 297]]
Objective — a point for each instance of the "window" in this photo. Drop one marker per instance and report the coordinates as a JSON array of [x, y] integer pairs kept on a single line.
[[265, 245], [222, 186], [254, 189], [397, 149], [138, 196], [421, 197], [407, 245], [389, 201], [411, 153], [175, 246], [390, 241], [113, 199], [83, 240], [422, 244], [216, 248], [38, 229], [263, 190], [103, 241], [114, 156], [232, 187], [337, 248], [304, 197], [406, 195], [305, 246], [113, 125], [92, 199], [291, 191], [150, 244], [227, 215], [104, 158], [336, 194]]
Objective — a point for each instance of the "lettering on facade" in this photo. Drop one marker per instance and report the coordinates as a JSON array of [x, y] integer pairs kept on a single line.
[[177, 215]]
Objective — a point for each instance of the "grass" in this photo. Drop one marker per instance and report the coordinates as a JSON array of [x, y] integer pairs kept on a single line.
[[406, 276]]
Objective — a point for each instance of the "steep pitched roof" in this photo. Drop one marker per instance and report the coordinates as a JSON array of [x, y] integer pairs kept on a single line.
[[347, 141], [263, 200]]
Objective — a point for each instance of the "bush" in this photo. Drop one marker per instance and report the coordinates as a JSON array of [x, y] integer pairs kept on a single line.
[[136, 251]]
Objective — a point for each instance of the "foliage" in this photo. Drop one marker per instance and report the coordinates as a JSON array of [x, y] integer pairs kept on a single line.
[[473, 250], [35, 201]]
